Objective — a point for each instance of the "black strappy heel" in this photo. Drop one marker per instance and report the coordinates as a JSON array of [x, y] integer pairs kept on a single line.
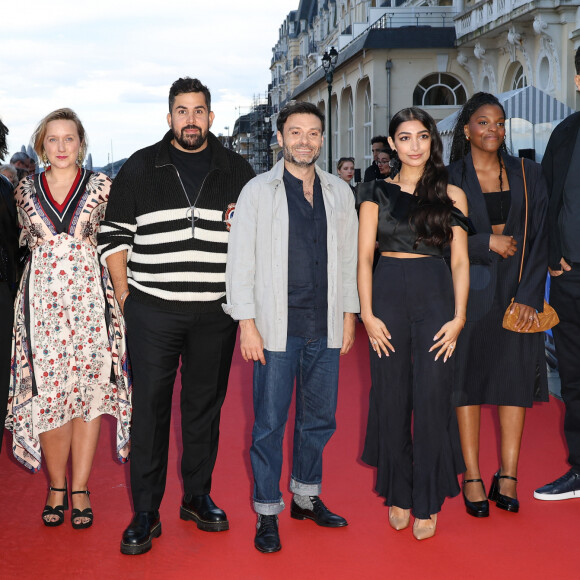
[[86, 513], [56, 510], [503, 502], [477, 509]]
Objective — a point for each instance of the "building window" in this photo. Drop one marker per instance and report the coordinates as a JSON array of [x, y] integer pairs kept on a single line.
[[335, 144], [520, 80], [439, 90], [350, 126], [368, 125]]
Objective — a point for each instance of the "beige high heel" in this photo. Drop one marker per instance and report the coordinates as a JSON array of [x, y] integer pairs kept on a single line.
[[399, 522], [425, 532]]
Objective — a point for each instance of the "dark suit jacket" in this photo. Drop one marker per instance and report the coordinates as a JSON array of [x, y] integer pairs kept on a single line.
[[8, 234], [372, 172], [484, 282], [556, 162]]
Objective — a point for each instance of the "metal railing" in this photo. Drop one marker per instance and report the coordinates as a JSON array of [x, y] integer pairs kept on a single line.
[[399, 17]]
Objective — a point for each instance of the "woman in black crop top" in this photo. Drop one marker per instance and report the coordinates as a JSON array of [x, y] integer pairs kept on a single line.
[[495, 366], [413, 309]]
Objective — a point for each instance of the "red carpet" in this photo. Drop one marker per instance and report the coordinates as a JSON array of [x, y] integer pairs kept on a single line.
[[539, 542]]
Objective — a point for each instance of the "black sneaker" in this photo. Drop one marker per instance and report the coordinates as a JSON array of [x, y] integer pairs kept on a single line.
[[565, 487], [267, 539]]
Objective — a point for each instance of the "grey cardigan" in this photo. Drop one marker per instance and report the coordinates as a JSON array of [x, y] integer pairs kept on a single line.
[[258, 253]]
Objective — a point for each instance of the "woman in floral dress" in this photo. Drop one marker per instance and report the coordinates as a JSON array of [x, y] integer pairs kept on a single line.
[[69, 363]]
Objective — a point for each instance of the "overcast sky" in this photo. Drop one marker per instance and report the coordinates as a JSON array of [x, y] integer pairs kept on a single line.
[[114, 61]]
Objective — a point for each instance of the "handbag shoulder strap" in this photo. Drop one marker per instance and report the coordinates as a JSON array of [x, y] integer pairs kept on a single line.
[[525, 222]]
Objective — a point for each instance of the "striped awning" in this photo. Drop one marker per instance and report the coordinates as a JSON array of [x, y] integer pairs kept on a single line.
[[529, 103]]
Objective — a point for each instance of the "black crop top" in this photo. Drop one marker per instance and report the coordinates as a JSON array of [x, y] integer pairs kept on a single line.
[[394, 231], [498, 205]]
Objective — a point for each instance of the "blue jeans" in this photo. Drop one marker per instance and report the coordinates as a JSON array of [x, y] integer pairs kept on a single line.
[[315, 368]]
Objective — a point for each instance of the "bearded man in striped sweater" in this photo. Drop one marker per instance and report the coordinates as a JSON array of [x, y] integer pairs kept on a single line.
[[165, 240]]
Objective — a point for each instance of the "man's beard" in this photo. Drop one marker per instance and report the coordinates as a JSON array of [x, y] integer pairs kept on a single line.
[[291, 159], [190, 142]]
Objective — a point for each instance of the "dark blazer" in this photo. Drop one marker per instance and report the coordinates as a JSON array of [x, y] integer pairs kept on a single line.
[[484, 282], [556, 162], [8, 235], [372, 172]]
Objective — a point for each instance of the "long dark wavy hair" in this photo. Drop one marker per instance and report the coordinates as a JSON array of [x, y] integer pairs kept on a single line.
[[460, 146], [432, 217]]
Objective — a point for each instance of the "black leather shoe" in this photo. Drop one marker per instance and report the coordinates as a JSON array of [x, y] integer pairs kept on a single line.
[[319, 514], [201, 509], [477, 509], [137, 538], [503, 502], [267, 539]]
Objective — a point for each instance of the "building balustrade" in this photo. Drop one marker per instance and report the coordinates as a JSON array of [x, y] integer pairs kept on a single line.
[[297, 61], [486, 13]]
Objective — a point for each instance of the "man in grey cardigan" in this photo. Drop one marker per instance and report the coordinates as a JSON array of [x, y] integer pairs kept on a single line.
[[291, 282]]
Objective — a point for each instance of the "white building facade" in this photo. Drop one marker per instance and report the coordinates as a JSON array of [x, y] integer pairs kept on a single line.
[[431, 53]]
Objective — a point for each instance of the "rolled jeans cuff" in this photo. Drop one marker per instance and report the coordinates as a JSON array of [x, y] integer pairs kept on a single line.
[[269, 509], [300, 488]]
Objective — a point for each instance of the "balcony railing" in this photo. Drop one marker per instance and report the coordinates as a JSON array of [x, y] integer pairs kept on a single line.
[[487, 12], [420, 16], [277, 56], [297, 61]]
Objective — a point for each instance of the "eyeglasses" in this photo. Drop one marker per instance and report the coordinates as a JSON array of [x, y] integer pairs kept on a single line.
[[190, 215]]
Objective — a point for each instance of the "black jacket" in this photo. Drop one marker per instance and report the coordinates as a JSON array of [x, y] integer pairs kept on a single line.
[[8, 236], [372, 172], [484, 282], [556, 162]]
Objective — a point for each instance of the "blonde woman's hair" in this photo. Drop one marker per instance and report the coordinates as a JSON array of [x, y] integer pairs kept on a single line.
[[64, 114]]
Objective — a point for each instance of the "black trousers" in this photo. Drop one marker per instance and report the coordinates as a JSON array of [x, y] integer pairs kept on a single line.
[[412, 436], [6, 322], [157, 340], [565, 298]]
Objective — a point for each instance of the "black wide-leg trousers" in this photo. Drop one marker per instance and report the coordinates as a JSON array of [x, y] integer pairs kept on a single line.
[[565, 298], [412, 436], [157, 340]]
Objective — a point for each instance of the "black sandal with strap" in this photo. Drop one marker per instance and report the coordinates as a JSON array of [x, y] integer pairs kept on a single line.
[[503, 502], [56, 510], [77, 514]]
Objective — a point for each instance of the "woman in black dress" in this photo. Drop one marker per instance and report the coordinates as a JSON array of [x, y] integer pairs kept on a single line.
[[496, 366], [413, 310]]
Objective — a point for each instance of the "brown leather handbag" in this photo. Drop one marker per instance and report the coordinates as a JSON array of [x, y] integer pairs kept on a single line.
[[548, 318]]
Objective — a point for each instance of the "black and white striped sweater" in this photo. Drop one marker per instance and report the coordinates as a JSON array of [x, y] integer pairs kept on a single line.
[[146, 215]]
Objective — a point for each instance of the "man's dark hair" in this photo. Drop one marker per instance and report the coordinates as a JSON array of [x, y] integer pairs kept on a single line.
[[380, 139], [3, 145], [188, 85], [577, 61], [298, 108]]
